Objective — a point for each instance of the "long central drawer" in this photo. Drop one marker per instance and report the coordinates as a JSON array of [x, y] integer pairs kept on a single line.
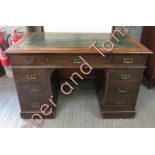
[[71, 60]]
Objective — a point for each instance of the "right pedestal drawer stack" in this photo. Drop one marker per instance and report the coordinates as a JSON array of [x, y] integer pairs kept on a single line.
[[124, 76]]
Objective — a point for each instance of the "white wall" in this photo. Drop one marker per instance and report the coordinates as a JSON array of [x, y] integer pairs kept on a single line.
[[10, 29]]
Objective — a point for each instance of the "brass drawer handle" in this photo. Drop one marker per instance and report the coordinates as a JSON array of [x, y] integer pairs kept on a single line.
[[29, 61], [120, 104], [125, 76], [77, 61], [123, 90], [127, 60], [31, 77], [34, 90], [35, 105]]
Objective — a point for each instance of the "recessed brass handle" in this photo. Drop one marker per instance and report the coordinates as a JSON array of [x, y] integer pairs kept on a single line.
[[127, 60], [33, 90], [120, 104], [35, 105], [31, 77], [77, 61], [123, 90], [29, 61], [125, 76]]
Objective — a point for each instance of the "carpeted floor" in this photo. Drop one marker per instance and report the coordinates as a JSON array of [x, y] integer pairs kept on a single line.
[[79, 110]]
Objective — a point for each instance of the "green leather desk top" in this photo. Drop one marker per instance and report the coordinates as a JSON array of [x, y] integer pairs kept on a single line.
[[73, 40]]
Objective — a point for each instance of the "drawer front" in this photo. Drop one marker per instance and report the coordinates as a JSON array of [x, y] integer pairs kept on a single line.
[[28, 60], [74, 60], [128, 59], [127, 75], [30, 75], [33, 105], [120, 104], [123, 90], [32, 91]]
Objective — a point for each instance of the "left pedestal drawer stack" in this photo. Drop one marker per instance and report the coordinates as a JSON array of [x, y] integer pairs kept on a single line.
[[34, 89]]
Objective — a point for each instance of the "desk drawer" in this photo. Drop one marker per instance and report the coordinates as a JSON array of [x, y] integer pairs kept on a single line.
[[127, 59], [28, 60], [30, 75], [58, 60], [123, 90], [33, 105], [95, 60], [120, 104], [127, 75], [34, 91]]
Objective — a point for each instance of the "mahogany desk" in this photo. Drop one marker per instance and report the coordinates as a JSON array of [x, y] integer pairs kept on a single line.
[[37, 58]]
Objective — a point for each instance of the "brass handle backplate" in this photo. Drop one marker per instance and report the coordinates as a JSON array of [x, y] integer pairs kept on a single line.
[[123, 90], [29, 61], [35, 105], [33, 90], [127, 60], [31, 77], [77, 61], [125, 76], [120, 104]]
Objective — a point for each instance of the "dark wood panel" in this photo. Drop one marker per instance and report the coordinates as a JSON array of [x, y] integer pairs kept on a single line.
[[118, 114], [154, 73], [66, 73]]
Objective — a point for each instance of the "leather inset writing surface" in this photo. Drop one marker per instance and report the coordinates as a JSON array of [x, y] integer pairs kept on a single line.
[[73, 40]]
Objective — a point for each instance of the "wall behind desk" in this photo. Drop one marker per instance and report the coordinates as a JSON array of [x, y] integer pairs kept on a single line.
[[134, 31]]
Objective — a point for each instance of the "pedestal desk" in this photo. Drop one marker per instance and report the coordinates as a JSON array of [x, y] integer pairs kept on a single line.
[[37, 58]]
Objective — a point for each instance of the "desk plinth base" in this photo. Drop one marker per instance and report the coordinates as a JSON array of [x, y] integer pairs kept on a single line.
[[118, 114], [28, 115]]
